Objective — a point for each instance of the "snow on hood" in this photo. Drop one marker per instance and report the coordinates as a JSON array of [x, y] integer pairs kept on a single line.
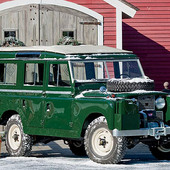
[[140, 92], [98, 93], [133, 80], [87, 92]]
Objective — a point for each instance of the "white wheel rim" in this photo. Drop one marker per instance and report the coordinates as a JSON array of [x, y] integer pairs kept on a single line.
[[14, 137], [102, 141]]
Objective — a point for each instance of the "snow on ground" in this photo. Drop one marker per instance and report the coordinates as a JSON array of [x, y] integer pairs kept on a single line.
[[55, 155], [64, 163]]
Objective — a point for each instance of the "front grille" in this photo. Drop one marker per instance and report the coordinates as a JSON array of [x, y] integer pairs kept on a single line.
[[146, 102]]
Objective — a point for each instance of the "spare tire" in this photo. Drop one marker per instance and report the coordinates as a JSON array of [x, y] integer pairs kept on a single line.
[[128, 85]]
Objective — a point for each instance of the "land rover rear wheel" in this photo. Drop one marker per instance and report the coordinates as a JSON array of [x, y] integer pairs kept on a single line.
[[17, 142], [101, 146], [77, 147], [161, 152]]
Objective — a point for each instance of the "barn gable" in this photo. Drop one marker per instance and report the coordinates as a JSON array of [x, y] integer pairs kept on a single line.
[[91, 22], [45, 22]]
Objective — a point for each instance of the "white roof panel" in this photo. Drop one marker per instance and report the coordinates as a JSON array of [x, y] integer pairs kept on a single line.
[[67, 49]]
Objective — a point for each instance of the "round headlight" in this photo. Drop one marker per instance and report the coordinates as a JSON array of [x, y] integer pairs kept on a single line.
[[103, 89], [160, 103]]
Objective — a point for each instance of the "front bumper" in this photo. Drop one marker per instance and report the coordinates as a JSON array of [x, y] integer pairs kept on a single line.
[[156, 132]]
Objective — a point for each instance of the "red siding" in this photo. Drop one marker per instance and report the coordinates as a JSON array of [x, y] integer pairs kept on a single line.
[[1, 1], [109, 14], [148, 35]]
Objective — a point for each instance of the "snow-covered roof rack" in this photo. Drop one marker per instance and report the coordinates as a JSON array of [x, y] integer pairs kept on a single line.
[[67, 49]]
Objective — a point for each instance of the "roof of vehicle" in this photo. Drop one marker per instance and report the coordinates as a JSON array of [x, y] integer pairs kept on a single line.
[[65, 52], [68, 49]]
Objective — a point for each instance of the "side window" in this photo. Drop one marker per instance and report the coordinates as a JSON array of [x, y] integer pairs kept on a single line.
[[59, 75], [8, 73], [33, 74], [2, 73]]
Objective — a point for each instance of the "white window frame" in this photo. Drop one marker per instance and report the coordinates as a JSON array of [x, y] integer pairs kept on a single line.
[[9, 29]]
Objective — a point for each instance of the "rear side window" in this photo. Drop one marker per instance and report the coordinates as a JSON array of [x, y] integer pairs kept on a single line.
[[8, 73], [34, 74], [59, 75]]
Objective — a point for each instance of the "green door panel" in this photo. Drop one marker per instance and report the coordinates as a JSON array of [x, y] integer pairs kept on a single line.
[[57, 113], [58, 96], [33, 110]]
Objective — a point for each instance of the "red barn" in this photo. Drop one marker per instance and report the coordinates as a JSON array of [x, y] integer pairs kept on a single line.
[[148, 35], [141, 26]]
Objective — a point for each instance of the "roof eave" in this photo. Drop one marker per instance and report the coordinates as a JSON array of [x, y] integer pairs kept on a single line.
[[127, 8]]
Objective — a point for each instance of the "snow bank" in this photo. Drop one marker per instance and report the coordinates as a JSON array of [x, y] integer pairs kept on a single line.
[[64, 163]]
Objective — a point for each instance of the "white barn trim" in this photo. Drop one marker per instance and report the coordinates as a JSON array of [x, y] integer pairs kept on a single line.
[[120, 8]]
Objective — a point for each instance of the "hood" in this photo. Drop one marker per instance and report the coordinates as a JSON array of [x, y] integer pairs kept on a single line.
[[139, 93], [92, 93], [98, 93]]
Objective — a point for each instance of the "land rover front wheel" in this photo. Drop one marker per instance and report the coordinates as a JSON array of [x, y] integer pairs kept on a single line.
[[17, 142], [101, 146], [161, 152]]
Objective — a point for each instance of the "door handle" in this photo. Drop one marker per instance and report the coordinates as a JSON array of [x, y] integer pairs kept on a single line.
[[48, 107], [23, 103]]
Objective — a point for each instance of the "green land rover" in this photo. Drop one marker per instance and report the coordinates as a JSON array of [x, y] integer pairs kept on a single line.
[[95, 98]]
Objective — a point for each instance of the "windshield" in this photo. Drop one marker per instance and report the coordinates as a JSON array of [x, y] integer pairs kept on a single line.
[[103, 70]]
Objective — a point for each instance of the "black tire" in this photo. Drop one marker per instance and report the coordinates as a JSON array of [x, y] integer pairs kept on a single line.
[[77, 147], [161, 152], [101, 146], [17, 142], [121, 85]]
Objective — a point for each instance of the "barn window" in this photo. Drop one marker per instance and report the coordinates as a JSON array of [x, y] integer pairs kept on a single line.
[[68, 34], [10, 34]]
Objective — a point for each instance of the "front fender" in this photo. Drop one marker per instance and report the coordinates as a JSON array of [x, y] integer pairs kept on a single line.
[[84, 107]]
